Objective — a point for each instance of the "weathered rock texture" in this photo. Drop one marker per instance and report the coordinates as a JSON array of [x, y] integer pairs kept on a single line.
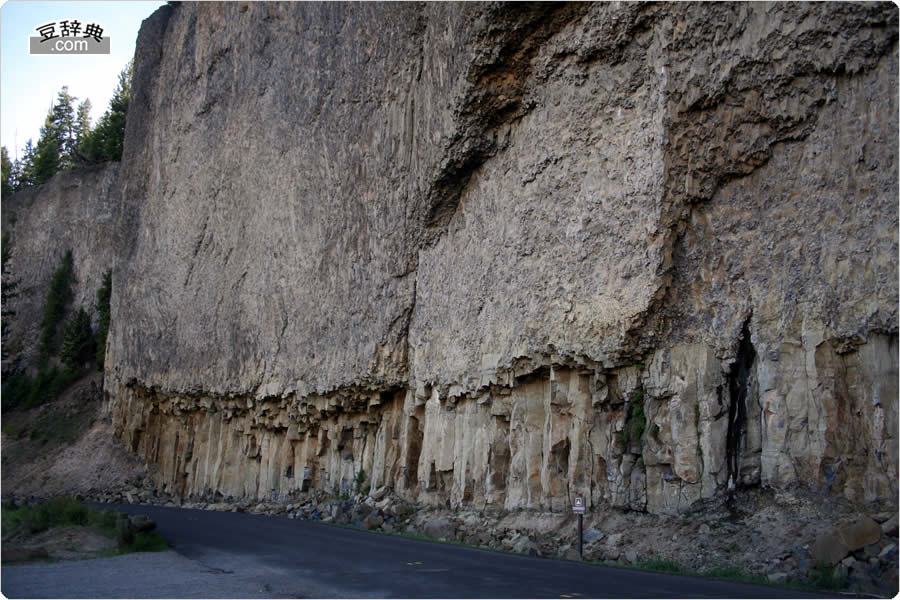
[[77, 210], [504, 254]]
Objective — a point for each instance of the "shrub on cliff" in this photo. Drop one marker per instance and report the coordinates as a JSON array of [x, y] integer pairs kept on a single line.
[[78, 341], [7, 293], [58, 297], [102, 306]]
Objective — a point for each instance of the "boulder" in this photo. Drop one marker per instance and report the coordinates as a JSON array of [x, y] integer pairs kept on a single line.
[[373, 521], [859, 533], [440, 528], [525, 545], [592, 535], [631, 556], [831, 547], [828, 549], [889, 527], [480, 538]]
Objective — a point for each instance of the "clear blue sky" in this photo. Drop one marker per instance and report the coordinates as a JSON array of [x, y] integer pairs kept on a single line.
[[29, 84]]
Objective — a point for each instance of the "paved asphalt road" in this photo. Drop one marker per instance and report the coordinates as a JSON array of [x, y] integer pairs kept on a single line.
[[242, 555]]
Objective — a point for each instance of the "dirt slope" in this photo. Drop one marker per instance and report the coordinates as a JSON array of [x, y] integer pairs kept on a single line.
[[64, 447]]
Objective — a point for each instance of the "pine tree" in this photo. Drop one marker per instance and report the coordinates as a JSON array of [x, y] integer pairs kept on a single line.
[[7, 292], [103, 297], [106, 140], [56, 148], [46, 161], [65, 126], [82, 122], [58, 297], [24, 168], [78, 340], [6, 186]]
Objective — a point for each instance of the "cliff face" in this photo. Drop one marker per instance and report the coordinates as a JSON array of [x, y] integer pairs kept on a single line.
[[77, 210], [504, 254]]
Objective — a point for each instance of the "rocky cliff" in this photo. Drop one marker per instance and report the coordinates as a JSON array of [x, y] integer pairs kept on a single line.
[[499, 255], [76, 210]]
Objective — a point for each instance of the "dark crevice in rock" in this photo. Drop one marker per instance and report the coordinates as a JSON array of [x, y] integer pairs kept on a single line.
[[495, 97], [738, 388]]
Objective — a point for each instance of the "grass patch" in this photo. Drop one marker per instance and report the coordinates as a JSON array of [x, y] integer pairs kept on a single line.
[[733, 573], [658, 563], [823, 577], [144, 541], [58, 512], [13, 430], [64, 511], [727, 571]]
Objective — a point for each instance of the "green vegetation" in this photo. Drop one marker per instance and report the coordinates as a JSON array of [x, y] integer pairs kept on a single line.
[[78, 341], [732, 572], [79, 344], [657, 563], [106, 140], [361, 482], [824, 577], [102, 306], [25, 391], [58, 141], [21, 390], [145, 541], [6, 184], [57, 512], [58, 297], [718, 571], [7, 292], [636, 422], [50, 426], [64, 511], [67, 139]]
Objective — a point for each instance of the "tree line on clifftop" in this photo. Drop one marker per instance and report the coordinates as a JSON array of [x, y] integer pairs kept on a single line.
[[68, 140]]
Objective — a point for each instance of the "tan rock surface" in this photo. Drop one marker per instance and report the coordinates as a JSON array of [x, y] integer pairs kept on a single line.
[[518, 254], [499, 255]]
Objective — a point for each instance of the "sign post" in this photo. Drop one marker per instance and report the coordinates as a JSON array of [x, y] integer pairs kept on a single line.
[[578, 508]]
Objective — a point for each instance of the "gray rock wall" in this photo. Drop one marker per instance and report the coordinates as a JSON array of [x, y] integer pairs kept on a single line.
[[503, 254], [76, 210]]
